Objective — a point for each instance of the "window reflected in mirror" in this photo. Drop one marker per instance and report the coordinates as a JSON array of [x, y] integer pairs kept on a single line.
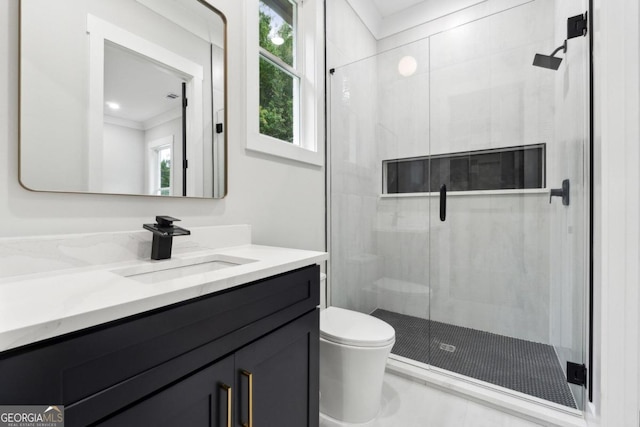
[[123, 97]]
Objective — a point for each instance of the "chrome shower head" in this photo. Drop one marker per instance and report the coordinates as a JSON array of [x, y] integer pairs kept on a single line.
[[550, 62]]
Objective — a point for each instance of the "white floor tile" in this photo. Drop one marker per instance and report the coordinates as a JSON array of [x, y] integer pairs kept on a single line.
[[482, 416], [407, 403]]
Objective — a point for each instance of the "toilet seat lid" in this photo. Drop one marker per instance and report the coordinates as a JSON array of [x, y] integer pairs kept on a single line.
[[356, 329]]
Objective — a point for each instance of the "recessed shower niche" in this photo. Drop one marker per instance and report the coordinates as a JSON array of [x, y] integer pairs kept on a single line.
[[441, 219]]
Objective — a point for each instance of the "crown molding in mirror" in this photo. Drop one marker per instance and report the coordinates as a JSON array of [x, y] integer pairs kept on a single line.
[[80, 58]]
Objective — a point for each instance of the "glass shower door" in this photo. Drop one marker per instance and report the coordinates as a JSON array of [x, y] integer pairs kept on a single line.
[[379, 241], [403, 203], [507, 261]]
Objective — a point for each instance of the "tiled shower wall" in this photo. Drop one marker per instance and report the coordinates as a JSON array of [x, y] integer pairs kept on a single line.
[[353, 188], [504, 263], [352, 202]]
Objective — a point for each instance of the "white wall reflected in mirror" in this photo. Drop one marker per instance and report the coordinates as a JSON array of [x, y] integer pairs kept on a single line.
[[102, 82]]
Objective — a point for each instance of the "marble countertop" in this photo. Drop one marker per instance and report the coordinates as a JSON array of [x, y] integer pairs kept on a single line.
[[43, 305]]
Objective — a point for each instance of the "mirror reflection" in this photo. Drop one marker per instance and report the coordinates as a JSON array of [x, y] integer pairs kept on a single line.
[[123, 97]]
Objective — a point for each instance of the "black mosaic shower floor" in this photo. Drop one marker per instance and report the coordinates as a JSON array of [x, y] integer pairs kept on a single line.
[[520, 365]]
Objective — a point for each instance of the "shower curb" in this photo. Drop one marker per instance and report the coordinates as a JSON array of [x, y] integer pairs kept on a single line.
[[508, 401]]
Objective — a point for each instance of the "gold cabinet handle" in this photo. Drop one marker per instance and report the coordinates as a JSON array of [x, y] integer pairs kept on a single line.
[[229, 397], [249, 375]]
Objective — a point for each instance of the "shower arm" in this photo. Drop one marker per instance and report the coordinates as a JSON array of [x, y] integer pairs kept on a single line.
[[563, 48]]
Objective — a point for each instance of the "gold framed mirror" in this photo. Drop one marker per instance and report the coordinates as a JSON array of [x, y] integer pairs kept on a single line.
[[123, 97]]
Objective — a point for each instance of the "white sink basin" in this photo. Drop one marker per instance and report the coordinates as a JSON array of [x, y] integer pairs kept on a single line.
[[160, 271]]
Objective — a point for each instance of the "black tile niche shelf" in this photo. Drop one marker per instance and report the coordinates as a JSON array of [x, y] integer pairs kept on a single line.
[[510, 168]]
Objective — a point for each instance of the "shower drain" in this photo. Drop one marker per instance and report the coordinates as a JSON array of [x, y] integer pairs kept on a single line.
[[448, 347]]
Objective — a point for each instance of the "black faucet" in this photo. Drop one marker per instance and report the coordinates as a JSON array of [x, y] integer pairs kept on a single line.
[[163, 233]]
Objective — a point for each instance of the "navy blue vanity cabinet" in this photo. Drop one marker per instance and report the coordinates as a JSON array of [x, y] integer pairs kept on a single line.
[[251, 350], [276, 385], [204, 398]]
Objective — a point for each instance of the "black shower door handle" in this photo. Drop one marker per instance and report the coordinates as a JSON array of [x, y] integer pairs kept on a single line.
[[443, 202]]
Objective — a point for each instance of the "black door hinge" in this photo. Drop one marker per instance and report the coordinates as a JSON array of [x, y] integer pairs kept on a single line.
[[219, 128], [185, 164], [577, 26], [185, 102], [577, 374]]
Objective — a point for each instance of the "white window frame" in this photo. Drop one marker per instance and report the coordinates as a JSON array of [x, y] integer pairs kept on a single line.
[[309, 49], [153, 164]]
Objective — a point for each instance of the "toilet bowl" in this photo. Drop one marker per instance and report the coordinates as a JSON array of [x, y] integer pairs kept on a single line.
[[353, 352]]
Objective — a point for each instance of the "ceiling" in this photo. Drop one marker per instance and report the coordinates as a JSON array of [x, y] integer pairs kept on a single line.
[[139, 85], [385, 18], [386, 7], [192, 16]]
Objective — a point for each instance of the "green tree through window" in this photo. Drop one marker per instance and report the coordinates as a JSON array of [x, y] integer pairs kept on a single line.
[[276, 85], [165, 176]]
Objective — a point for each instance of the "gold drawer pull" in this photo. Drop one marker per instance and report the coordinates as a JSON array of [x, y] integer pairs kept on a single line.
[[249, 375], [229, 397]]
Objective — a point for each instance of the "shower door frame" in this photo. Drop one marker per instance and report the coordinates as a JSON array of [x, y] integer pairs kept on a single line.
[[583, 214], [403, 365]]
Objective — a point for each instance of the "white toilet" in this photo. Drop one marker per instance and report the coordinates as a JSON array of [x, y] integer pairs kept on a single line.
[[353, 353]]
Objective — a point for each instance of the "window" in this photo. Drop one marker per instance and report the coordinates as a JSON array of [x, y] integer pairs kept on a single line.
[[285, 78], [279, 80], [513, 168], [163, 170], [160, 166]]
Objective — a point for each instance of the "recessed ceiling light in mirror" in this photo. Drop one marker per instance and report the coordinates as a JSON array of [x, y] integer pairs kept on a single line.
[[119, 124], [407, 66]]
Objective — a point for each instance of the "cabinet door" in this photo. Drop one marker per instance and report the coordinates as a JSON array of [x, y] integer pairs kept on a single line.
[[200, 400], [277, 377]]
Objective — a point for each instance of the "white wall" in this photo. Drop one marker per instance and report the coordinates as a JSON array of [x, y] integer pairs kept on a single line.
[[353, 199], [354, 262], [478, 11], [488, 266], [348, 39], [490, 259], [402, 225], [124, 162], [55, 81], [283, 201], [213, 152], [617, 214]]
